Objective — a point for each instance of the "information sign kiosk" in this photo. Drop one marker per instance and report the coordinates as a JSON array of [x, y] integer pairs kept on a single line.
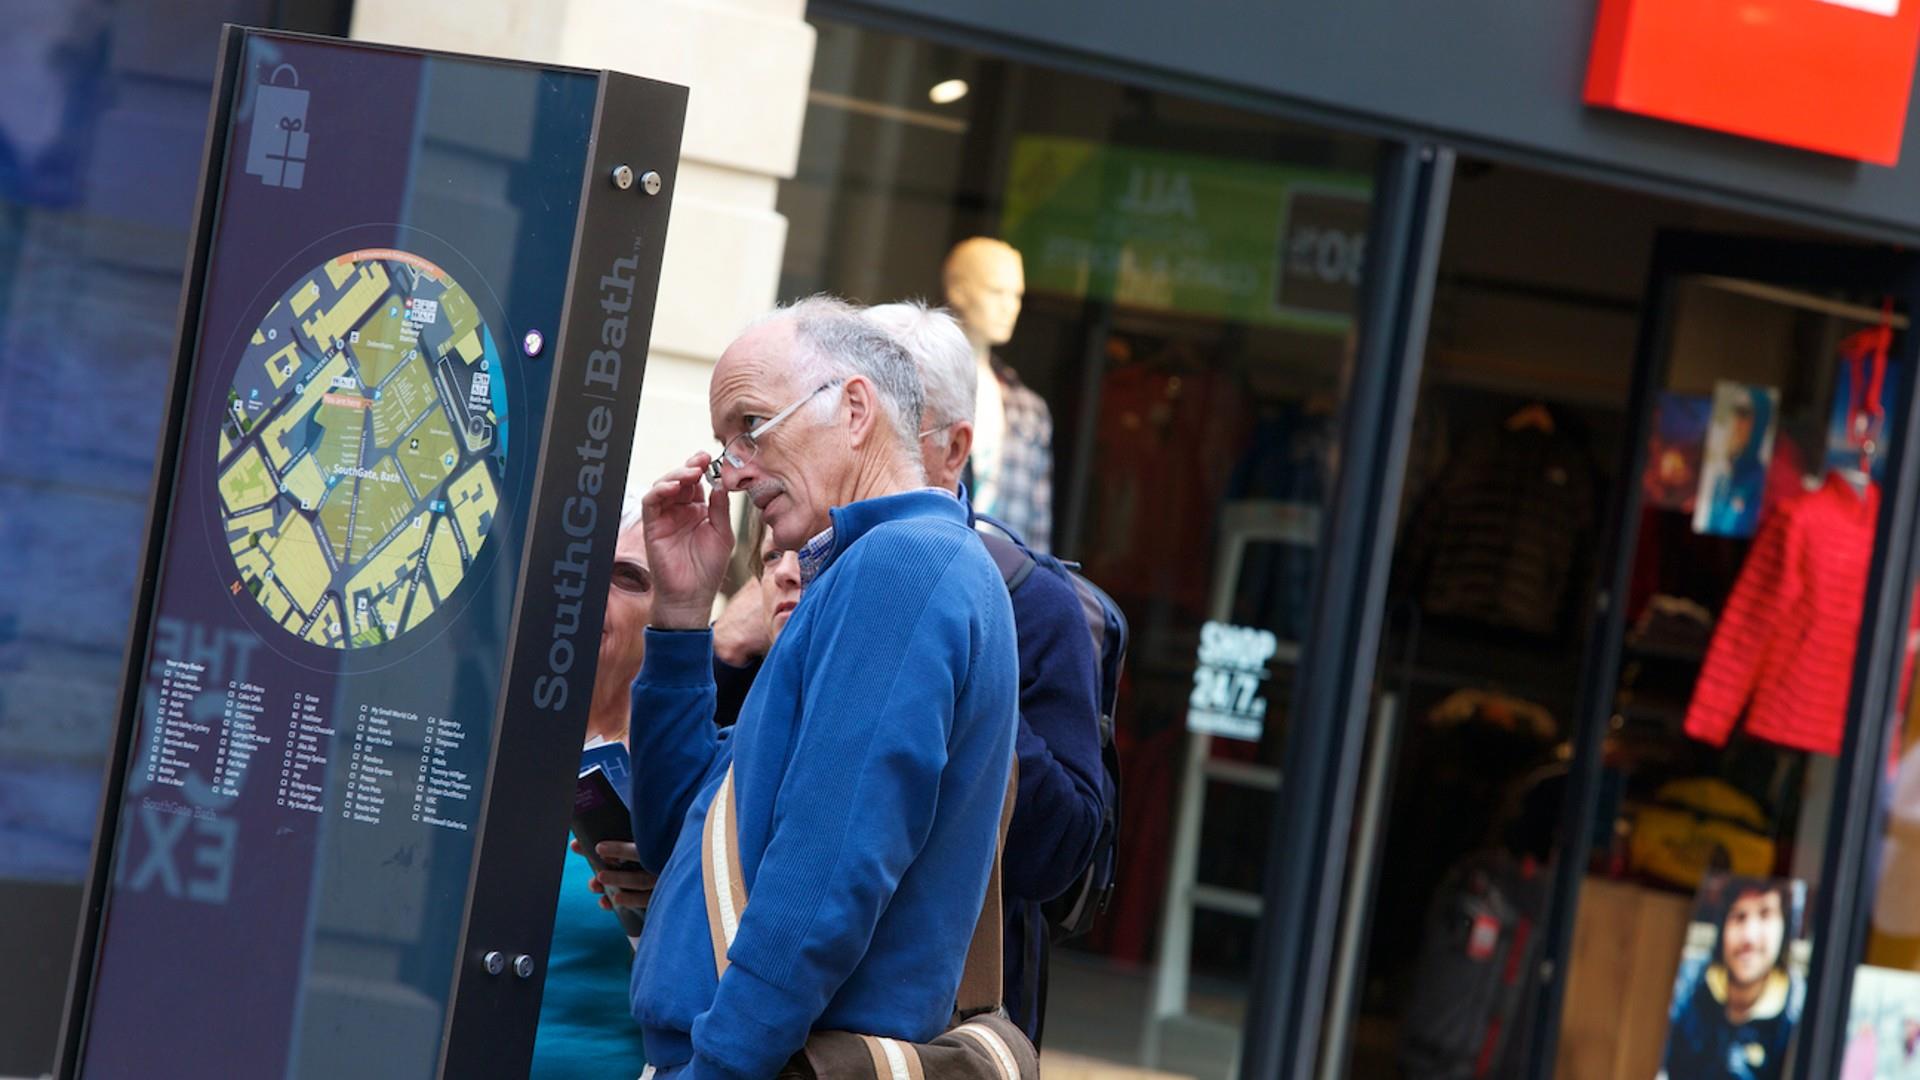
[[409, 359]]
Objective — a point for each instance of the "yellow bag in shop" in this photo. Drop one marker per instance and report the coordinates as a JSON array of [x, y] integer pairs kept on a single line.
[[1681, 835]]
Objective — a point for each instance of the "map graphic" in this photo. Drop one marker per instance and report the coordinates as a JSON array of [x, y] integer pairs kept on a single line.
[[362, 449]]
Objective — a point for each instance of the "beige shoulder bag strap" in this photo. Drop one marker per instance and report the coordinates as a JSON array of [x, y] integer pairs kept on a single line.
[[980, 988], [980, 980], [720, 869]]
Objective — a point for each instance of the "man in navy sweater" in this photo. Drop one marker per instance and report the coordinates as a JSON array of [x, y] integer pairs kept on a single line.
[[870, 760], [1056, 820]]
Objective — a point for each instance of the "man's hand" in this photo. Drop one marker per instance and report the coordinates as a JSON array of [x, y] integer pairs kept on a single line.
[[689, 540], [740, 636], [631, 888]]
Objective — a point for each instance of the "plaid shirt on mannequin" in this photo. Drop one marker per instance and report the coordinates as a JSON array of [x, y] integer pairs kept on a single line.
[[1023, 496]]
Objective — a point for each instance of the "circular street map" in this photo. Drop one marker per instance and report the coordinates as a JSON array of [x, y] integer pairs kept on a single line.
[[362, 449]]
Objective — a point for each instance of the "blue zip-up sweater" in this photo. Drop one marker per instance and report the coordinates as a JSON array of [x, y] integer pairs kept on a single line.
[[1057, 818], [870, 765]]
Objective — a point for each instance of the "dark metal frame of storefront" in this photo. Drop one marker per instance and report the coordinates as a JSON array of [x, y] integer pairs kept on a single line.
[[333, 17], [885, 16], [1331, 708], [1837, 916], [1307, 858], [1859, 813]]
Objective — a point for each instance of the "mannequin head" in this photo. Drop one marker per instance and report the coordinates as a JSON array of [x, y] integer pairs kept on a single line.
[[985, 281]]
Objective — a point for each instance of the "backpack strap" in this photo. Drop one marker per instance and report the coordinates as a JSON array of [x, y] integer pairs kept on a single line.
[[1015, 563], [1011, 533], [980, 979]]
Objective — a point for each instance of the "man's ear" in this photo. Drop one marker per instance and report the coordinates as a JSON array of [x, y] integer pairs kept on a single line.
[[959, 447], [863, 407]]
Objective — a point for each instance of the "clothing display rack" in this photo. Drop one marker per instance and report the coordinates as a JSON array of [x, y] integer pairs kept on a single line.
[[1242, 523]]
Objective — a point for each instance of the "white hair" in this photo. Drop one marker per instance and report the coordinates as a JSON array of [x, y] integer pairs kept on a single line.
[[630, 507], [837, 342], [940, 349]]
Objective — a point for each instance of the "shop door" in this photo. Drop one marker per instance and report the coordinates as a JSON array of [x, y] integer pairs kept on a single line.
[[1636, 639], [1740, 663]]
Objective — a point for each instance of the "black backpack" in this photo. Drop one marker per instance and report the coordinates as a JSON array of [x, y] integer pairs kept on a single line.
[[1468, 1014], [1072, 913]]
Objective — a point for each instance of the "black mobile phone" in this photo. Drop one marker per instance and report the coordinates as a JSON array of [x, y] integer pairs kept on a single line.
[[600, 815]]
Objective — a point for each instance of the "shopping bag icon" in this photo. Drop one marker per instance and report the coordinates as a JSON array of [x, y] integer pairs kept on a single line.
[[277, 148]]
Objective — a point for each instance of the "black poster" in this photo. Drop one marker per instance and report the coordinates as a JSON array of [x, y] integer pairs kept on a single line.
[[387, 270]]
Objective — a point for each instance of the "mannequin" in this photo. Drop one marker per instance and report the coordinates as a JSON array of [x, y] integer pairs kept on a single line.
[[1012, 463]]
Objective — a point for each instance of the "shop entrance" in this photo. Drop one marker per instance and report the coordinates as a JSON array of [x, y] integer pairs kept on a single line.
[[1174, 382], [1745, 586], [1618, 680]]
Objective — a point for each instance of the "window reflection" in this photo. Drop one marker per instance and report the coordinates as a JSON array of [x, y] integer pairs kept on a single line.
[[1191, 278]]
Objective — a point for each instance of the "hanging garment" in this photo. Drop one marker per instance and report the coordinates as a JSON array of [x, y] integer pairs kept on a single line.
[[1290, 459], [989, 435], [1669, 557], [1674, 625], [1517, 715], [1784, 649], [1014, 476], [1501, 534]]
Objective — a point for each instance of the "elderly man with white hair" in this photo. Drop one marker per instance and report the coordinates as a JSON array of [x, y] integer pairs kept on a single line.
[[1064, 795], [1062, 801], [870, 762]]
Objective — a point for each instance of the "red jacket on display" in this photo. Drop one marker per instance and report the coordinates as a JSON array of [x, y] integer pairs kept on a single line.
[[1784, 649]]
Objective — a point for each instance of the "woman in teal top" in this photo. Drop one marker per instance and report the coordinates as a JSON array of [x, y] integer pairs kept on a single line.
[[586, 1029]]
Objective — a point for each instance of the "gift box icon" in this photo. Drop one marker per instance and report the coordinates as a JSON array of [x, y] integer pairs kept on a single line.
[[277, 145]]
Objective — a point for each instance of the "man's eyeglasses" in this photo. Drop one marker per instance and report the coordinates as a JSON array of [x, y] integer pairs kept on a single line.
[[744, 448], [631, 577]]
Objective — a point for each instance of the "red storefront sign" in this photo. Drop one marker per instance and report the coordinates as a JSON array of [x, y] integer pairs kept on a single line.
[[1827, 75]]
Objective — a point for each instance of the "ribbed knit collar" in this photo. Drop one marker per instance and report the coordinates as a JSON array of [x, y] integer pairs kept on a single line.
[[855, 520]]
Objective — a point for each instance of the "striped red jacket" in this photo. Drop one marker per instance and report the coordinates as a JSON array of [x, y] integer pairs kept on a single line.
[[1783, 651]]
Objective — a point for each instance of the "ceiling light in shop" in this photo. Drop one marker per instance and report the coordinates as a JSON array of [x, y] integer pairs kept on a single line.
[[948, 92]]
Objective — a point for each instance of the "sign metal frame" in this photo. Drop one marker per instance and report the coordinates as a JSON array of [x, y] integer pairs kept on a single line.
[[616, 251]]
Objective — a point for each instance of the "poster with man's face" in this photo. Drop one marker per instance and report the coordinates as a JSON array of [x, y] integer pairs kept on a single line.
[[1741, 982]]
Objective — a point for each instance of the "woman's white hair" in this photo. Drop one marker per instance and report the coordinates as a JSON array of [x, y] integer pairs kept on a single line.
[[948, 372]]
